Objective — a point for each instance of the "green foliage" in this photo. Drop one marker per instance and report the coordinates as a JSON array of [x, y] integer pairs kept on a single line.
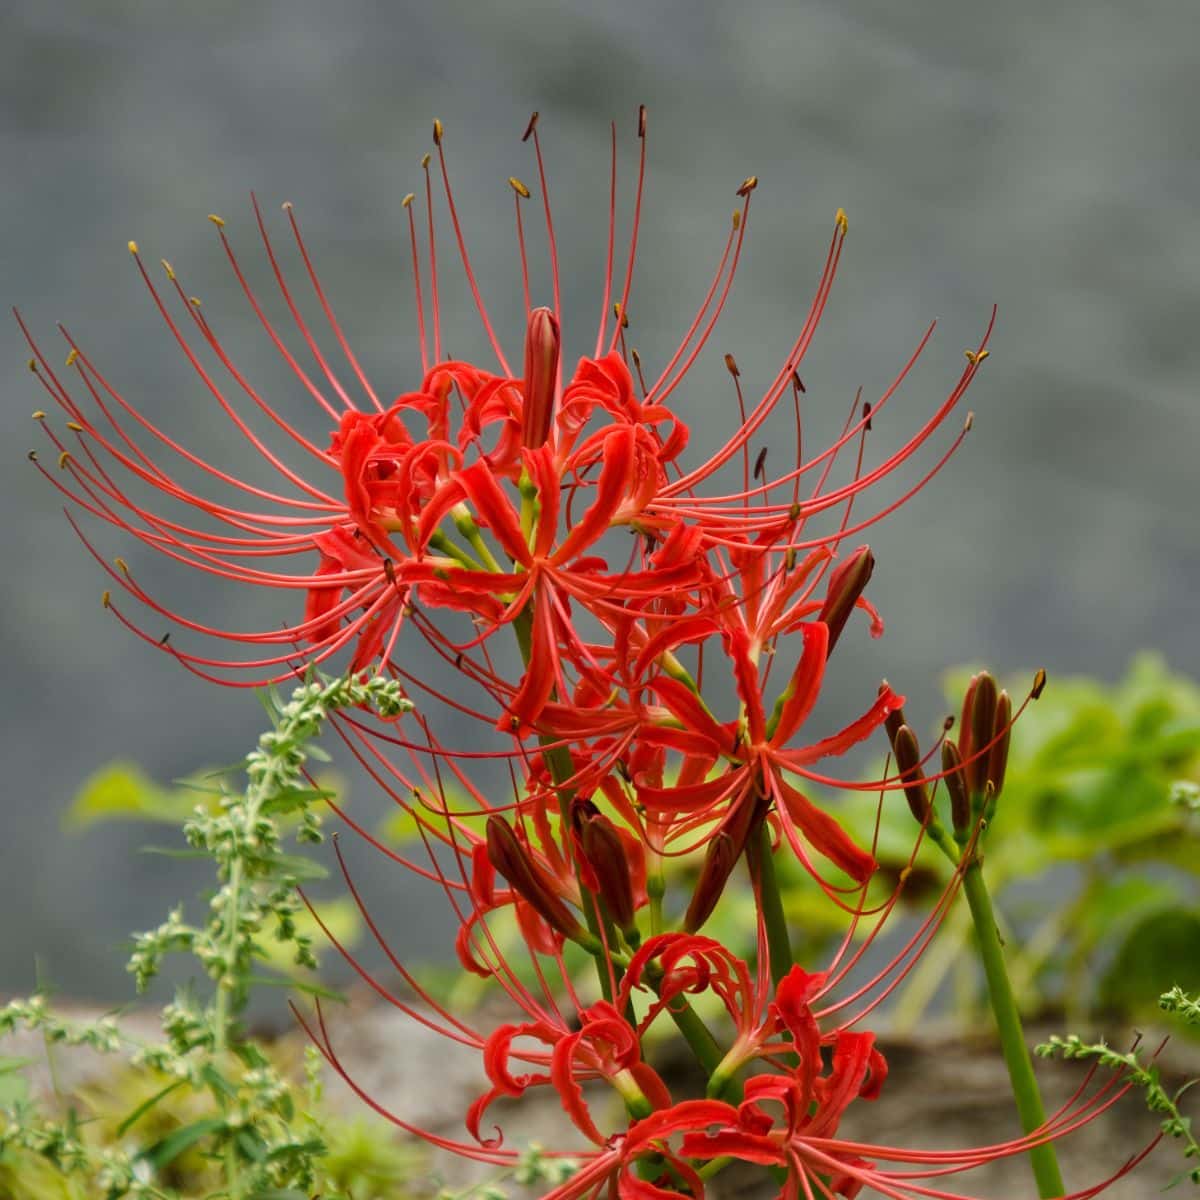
[[1101, 781], [205, 1111]]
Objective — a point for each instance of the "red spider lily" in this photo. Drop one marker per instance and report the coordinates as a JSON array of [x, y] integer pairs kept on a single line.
[[379, 529]]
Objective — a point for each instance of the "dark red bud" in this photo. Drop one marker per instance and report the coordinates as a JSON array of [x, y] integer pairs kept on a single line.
[[982, 718], [956, 785], [542, 344], [527, 879], [1002, 732], [908, 759], [607, 856], [894, 719], [719, 862], [846, 584]]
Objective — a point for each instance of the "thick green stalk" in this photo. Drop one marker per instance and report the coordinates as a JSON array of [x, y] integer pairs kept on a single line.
[[779, 946], [1043, 1158]]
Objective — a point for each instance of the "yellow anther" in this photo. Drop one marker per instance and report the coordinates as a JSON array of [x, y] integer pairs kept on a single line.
[[122, 565], [737, 218], [1039, 684], [407, 200], [32, 364], [731, 366], [748, 185], [106, 599], [425, 160], [438, 130], [217, 221], [63, 459], [133, 247], [975, 357], [518, 187], [842, 221], [72, 357], [74, 427], [170, 270], [39, 415], [970, 422], [905, 874], [194, 301]]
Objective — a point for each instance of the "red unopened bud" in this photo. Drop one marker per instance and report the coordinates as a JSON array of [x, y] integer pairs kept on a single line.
[[908, 759], [894, 719], [542, 344], [846, 584], [607, 856], [527, 879], [1002, 732], [719, 862], [956, 785], [980, 719]]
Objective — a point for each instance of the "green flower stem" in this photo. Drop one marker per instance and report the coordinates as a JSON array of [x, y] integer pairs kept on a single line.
[[1043, 1158], [779, 946]]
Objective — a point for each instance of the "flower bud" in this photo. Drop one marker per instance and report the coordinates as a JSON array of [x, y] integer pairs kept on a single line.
[[908, 759], [542, 344], [606, 854], [719, 862], [846, 583], [1002, 732], [956, 785], [980, 719], [528, 880]]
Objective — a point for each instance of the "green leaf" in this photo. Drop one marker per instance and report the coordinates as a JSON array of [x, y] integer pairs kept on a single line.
[[146, 1105], [1160, 952], [122, 791], [166, 1151]]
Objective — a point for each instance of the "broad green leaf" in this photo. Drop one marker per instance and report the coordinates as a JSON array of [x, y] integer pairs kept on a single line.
[[166, 1151]]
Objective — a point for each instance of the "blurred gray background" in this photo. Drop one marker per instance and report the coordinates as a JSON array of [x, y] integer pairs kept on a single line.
[[1045, 158]]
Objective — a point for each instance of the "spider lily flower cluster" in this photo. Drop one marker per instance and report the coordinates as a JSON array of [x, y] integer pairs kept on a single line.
[[473, 505]]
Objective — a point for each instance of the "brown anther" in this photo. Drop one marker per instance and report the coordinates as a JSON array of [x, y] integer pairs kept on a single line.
[[533, 120], [867, 416], [748, 185], [458, 661], [908, 759], [518, 187], [731, 366], [32, 456], [390, 571], [641, 120], [1039, 685], [760, 465], [956, 785], [32, 364], [969, 422], [438, 130], [798, 383], [165, 639]]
